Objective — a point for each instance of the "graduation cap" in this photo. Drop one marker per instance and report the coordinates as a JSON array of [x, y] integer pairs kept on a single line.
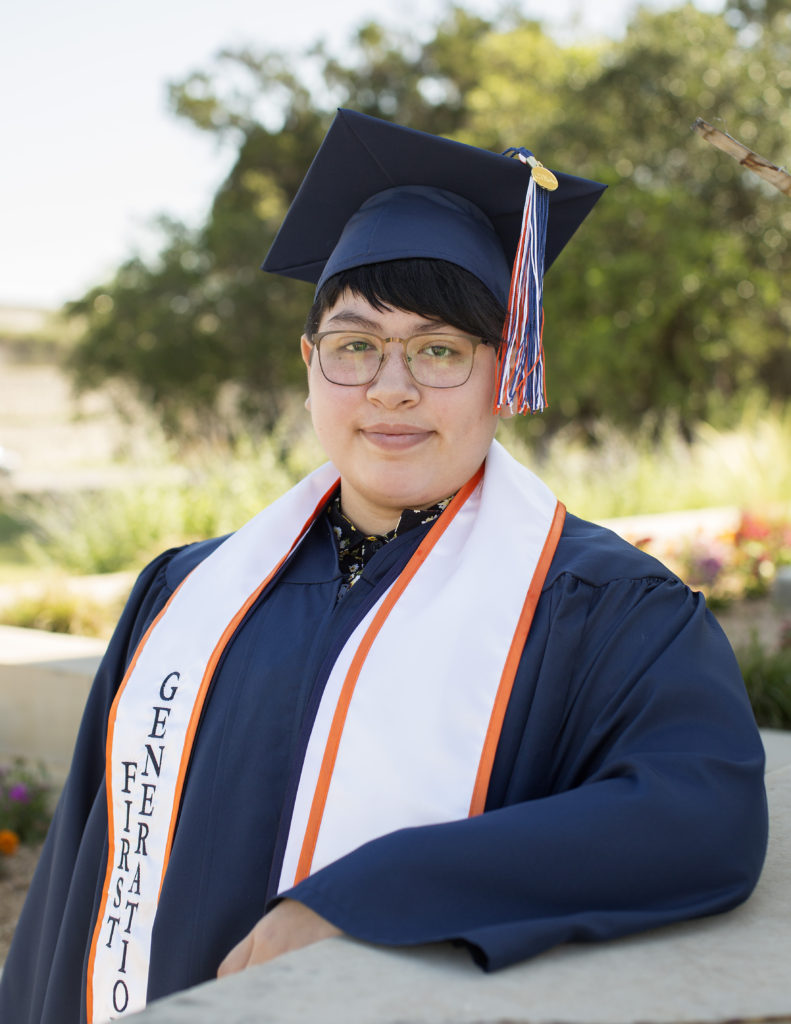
[[377, 191]]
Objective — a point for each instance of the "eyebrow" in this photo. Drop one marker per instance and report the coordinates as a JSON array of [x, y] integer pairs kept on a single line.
[[349, 316]]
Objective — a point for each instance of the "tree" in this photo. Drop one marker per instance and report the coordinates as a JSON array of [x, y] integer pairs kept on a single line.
[[202, 325], [669, 299], [683, 288], [761, 12]]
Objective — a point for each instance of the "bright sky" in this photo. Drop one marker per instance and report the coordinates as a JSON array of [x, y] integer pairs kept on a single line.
[[90, 153]]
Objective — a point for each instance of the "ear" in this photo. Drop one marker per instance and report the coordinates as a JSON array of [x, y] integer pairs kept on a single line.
[[306, 349]]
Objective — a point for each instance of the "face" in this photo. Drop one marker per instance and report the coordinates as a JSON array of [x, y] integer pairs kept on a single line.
[[396, 443]]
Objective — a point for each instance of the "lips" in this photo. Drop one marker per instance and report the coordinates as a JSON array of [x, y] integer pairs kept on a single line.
[[395, 436]]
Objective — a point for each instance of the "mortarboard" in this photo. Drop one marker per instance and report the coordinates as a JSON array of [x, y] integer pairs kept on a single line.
[[377, 191]]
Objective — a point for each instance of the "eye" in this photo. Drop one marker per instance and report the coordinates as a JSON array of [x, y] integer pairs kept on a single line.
[[349, 343], [440, 348], [355, 343]]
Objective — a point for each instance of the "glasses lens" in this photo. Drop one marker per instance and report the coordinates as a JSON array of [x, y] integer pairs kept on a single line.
[[349, 357], [434, 360], [440, 360]]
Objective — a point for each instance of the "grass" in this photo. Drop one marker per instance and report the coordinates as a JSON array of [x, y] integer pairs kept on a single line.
[[12, 529], [217, 489], [767, 676], [56, 609], [658, 471]]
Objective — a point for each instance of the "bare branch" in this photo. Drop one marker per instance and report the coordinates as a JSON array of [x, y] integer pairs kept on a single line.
[[776, 176]]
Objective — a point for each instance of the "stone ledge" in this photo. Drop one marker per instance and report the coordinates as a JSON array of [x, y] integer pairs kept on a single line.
[[725, 968], [674, 526], [44, 683], [33, 647], [777, 745]]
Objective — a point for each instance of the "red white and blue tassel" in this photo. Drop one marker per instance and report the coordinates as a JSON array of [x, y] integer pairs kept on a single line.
[[520, 370]]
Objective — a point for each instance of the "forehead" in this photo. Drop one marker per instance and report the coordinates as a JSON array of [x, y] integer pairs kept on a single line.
[[353, 310]]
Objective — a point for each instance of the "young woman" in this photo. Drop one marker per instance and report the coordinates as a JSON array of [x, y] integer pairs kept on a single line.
[[413, 700]]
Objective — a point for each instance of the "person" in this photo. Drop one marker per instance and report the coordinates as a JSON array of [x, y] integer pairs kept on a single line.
[[413, 700]]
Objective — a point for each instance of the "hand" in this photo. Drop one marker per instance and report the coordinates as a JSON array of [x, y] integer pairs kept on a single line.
[[289, 925]]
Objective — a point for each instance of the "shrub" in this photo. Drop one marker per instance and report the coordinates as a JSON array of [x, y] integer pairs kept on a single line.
[[25, 809], [107, 531], [59, 610], [767, 676]]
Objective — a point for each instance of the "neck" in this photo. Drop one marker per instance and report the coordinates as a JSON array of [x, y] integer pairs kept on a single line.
[[373, 525], [377, 522]]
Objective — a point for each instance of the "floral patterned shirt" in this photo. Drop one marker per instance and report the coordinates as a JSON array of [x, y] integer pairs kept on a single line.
[[356, 547]]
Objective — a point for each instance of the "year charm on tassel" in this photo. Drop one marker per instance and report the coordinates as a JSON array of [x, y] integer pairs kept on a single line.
[[542, 175]]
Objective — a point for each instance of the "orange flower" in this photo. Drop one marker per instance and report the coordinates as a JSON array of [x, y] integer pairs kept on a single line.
[[8, 841]]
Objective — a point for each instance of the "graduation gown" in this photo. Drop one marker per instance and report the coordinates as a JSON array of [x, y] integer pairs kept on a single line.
[[627, 789]]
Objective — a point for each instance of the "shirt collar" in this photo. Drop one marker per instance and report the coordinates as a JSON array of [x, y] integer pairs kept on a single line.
[[348, 536]]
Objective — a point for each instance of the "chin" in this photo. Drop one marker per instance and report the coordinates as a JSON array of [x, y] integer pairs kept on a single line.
[[406, 493]]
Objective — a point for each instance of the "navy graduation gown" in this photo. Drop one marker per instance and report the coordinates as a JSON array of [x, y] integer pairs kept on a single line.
[[627, 789]]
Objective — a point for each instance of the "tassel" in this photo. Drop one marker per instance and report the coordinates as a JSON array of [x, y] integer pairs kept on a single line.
[[520, 365]]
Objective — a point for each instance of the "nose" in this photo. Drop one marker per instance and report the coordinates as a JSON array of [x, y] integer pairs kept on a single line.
[[393, 384]]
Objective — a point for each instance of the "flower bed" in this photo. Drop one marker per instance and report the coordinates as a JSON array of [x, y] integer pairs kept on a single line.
[[731, 565], [24, 806], [735, 567]]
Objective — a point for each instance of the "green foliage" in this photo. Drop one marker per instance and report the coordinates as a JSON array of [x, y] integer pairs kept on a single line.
[[12, 529], [58, 609], [99, 532], [609, 471], [25, 800], [219, 488], [670, 298], [757, 12], [674, 287], [767, 676]]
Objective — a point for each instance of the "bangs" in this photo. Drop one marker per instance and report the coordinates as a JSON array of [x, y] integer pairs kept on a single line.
[[435, 289]]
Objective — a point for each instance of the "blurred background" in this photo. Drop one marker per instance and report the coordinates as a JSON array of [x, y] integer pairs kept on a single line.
[[150, 383], [151, 390]]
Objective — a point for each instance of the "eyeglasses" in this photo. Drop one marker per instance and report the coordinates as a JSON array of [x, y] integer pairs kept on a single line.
[[354, 358]]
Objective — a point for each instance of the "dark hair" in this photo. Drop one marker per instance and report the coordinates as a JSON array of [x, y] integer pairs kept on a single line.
[[432, 288]]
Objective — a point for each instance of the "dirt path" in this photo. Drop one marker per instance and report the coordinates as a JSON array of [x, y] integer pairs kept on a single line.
[[15, 875], [55, 440]]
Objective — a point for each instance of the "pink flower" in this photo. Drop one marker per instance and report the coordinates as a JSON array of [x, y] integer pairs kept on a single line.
[[19, 793], [753, 528]]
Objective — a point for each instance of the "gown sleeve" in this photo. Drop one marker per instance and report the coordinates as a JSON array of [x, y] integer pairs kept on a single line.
[[627, 792]]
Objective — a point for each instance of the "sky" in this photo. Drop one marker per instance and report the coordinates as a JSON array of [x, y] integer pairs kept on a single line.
[[90, 153]]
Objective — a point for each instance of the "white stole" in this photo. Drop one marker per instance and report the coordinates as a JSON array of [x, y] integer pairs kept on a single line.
[[406, 728]]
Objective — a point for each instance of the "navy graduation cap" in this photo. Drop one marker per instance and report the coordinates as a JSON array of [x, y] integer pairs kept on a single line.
[[377, 191]]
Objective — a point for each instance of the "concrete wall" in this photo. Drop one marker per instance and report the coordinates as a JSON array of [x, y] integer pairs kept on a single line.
[[731, 967], [44, 682]]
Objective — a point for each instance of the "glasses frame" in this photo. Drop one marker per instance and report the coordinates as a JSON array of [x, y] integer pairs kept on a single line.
[[317, 338]]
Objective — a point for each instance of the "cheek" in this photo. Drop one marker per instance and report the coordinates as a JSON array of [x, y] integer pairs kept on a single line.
[[475, 421], [330, 409]]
